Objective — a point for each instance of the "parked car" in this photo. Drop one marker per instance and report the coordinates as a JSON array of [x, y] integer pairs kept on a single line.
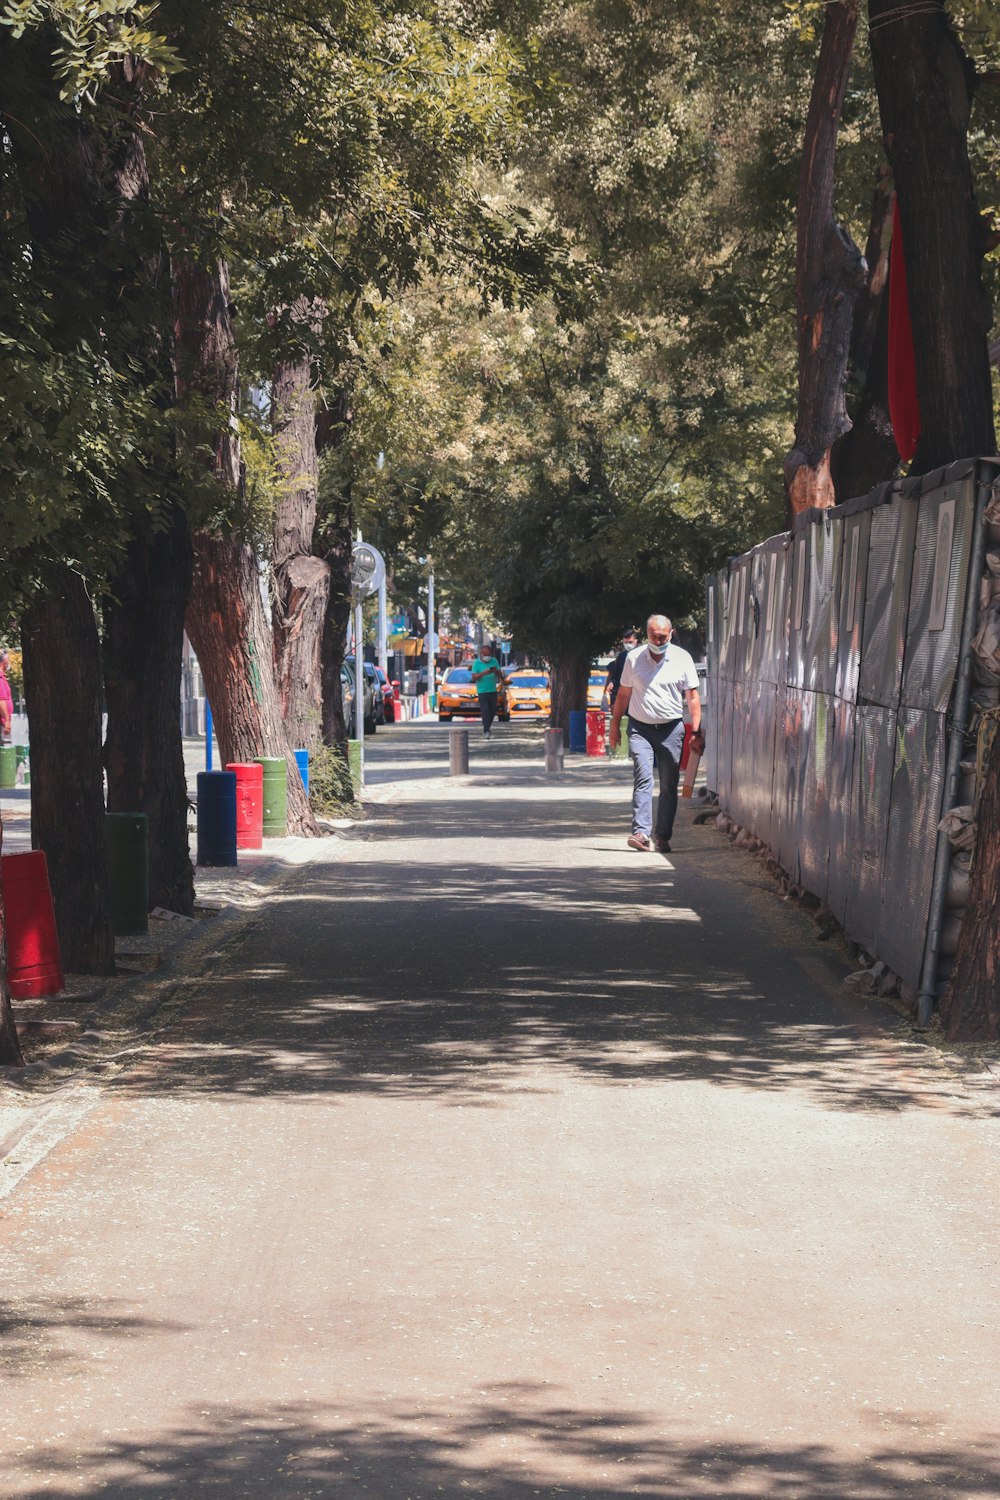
[[348, 691], [378, 699], [388, 697], [529, 693], [457, 697]]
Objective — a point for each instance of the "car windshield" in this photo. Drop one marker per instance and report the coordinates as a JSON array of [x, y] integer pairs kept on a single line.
[[524, 680], [458, 674]]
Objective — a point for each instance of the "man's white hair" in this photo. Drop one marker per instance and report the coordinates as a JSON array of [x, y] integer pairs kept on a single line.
[[662, 622]]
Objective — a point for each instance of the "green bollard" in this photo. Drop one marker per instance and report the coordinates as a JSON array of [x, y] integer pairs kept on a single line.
[[8, 766], [128, 868], [275, 797]]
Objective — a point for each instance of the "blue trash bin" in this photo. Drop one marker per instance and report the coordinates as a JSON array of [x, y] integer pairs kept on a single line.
[[578, 730], [217, 817]]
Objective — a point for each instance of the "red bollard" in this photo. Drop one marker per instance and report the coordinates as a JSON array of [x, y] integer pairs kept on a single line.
[[249, 804], [597, 731], [686, 751], [34, 965]]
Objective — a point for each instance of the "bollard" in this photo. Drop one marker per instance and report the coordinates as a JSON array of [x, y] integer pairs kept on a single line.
[[302, 761], [356, 765], [577, 730], [34, 967], [128, 869], [597, 731], [216, 817], [622, 752], [555, 744], [458, 750], [8, 766], [249, 804], [275, 796]]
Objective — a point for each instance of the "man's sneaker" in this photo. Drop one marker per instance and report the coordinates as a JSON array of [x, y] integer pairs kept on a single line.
[[640, 841], [486, 734], [663, 846]]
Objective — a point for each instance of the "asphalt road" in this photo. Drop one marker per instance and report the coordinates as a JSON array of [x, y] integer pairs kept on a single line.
[[493, 1158]]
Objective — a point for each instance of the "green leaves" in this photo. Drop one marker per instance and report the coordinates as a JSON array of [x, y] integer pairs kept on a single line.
[[91, 36]]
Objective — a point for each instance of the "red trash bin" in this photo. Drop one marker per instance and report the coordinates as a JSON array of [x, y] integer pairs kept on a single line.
[[34, 964], [597, 731], [249, 804]]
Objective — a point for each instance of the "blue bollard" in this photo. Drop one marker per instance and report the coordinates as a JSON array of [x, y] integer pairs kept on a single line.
[[216, 817], [578, 730], [302, 761]]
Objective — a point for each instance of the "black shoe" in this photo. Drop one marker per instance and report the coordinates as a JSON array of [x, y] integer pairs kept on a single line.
[[663, 846]]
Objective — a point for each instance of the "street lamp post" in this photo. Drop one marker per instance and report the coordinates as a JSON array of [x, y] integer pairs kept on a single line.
[[431, 641]]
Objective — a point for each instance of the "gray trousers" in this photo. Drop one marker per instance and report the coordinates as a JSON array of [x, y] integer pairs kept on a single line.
[[658, 745]]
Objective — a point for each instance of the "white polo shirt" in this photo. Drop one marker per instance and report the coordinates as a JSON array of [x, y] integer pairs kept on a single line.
[[658, 683]]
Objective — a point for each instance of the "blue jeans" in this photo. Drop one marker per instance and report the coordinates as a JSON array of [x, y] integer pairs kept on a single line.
[[660, 745]]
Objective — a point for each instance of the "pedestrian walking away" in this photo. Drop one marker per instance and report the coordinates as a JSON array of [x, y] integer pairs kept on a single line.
[[656, 681], [486, 672], [630, 639]]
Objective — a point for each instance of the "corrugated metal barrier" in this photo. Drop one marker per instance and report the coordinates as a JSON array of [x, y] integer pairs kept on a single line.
[[833, 657]]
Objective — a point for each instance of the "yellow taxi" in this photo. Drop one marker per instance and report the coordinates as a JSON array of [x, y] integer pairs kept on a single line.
[[457, 697], [595, 687], [528, 693]]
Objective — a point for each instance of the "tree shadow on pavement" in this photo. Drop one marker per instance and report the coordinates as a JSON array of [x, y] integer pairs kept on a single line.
[[510, 1446], [46, 1332], [467, 984]]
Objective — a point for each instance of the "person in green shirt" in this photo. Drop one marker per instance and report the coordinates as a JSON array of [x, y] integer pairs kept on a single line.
[[486, 672]]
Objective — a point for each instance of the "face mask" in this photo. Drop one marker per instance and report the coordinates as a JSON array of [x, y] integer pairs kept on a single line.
[[658, 650]]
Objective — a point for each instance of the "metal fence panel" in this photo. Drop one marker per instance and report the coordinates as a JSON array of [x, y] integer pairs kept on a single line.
[[853, 586], [821, 614], [914, 813], [937, 594], [840, 782], [874, 755], [789, 775], [887, 602], [796, 670], [814, 822]]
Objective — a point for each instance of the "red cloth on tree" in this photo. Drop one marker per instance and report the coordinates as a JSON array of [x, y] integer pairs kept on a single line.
[[904, 408]]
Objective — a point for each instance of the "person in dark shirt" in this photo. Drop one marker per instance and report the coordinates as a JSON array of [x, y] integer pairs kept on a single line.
[[630, 639]]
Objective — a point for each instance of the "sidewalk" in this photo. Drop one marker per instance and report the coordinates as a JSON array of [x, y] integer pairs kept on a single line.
[[486, 1156]]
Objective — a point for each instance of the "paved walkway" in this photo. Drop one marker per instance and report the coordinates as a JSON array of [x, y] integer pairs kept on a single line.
[[491, 1158]]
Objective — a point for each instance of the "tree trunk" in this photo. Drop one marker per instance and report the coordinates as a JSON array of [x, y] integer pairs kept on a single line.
[[301, 581], [144, 751], [568, 681], [225, 617], [970, 1010], [336, 543], [62, 685], [830, 272], [10, 1047], [866, 455], [925, 84]]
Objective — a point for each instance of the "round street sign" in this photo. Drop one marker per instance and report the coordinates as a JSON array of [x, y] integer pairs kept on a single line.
[[367, 569]]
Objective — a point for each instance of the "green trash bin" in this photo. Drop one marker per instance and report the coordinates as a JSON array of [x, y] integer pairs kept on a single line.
[[275, 797], [8, 766], [128, 868]]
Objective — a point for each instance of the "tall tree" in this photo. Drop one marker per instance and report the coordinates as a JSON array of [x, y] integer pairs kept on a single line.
[[830, 275]]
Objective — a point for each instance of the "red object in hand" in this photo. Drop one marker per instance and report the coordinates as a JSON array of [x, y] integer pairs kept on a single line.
[[686, 751]]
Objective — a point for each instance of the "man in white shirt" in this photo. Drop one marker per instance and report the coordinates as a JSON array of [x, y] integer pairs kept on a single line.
[[656, 681]]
